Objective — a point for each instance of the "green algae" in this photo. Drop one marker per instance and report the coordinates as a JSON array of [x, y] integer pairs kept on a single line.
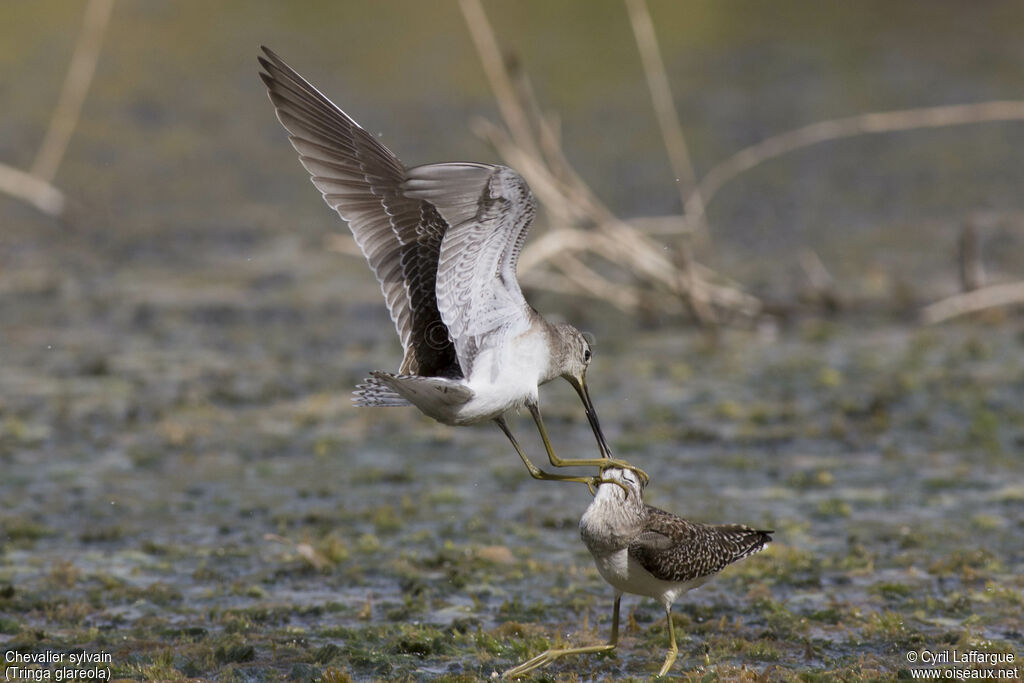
[[186, 486]]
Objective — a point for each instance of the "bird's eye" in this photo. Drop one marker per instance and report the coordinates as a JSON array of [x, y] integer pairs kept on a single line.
[[586, 355]]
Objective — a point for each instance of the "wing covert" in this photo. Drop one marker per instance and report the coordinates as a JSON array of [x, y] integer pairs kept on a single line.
[[489, 210], [675, 549]]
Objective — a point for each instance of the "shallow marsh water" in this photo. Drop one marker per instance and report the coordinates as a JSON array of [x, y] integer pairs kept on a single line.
[[186, 487]]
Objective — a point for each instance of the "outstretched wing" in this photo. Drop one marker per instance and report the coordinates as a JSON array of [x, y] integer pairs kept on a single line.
[[675, 549], [362, 180], [488, 210]]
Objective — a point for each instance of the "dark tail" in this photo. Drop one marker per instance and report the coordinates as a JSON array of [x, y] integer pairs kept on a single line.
[[742, 540]]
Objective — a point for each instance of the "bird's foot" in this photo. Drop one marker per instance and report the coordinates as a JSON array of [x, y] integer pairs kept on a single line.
[[613, 463], [669, 659], [623, 465], [595, 482], [551, 655]]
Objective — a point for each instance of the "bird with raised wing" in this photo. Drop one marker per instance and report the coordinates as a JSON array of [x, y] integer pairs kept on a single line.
[[646, 551], [443, 240]]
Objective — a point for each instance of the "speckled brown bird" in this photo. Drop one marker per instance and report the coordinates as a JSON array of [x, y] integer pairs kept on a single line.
[[642, 550]]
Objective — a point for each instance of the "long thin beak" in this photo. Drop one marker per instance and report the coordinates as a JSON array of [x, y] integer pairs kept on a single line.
[[580, 385]]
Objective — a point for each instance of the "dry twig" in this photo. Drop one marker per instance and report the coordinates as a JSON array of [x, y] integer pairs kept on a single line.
[[35, 187], [972, 270], [72, 94], [594, 253], [631, 262], [665, 109], [823, 285], [32, 190], [835, 129], [993, 296]]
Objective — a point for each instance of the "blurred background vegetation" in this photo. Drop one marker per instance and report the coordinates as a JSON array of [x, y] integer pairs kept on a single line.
[[175, 139]]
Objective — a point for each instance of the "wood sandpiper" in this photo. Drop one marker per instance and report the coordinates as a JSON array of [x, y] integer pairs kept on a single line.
[[645, 551], [443, 240]]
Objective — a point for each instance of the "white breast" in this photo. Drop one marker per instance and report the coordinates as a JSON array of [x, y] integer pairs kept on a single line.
[[505, 377], [627, 575]]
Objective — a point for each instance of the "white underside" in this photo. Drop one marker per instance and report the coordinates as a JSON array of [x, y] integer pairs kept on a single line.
[[502, 379], [627, 575]]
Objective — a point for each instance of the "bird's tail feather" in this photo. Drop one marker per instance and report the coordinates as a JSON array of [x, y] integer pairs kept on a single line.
[[743, 540], [374, 393]]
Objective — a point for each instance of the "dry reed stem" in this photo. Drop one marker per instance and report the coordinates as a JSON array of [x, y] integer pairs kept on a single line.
[[835, 129], [993, 296], [35, 187], [656, 226], [530, 143], [666, 113], [817, 274], [972, 270], [76, 86], [600, 287], [494, 67], [31, 190]]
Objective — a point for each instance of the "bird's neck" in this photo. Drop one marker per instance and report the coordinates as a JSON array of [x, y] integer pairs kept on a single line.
[[612, 520], [552, 337]]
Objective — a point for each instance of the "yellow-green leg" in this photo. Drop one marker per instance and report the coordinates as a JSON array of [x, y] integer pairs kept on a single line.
[[602, 462], [536, 472], [551, 655], [673, 650]]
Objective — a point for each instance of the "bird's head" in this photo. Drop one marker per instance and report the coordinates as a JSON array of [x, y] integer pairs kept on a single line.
[[621, 488], [571, 363], [630, 480]]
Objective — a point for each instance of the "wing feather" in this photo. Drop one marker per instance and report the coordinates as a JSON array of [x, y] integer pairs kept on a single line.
[[489, 210], [361, 179], [675, 549]]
